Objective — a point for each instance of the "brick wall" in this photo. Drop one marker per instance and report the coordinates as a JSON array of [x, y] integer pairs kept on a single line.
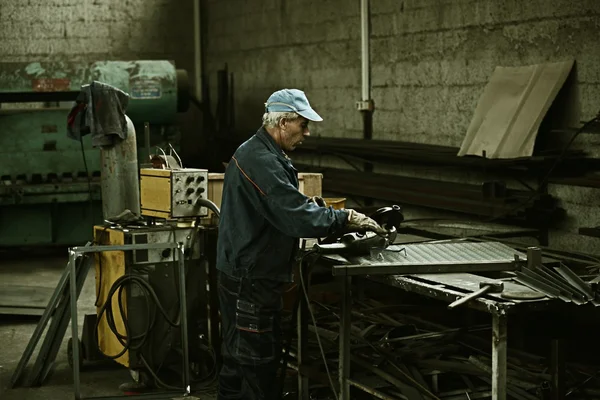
[[430, 62]]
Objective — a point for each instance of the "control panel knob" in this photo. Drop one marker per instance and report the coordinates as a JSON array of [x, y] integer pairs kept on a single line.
[[200, 190], [189, 180], [190, 191], [200, 179]]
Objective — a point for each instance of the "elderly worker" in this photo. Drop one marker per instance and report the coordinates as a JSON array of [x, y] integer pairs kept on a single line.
[[263, 215]]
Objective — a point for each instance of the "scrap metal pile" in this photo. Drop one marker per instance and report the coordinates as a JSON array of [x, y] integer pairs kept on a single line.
[[560, 282], [397, 354]]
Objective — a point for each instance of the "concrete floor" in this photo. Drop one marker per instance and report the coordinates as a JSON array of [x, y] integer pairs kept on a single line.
[[15, 334]]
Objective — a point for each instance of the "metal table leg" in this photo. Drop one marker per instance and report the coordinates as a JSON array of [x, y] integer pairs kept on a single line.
[[344, 354], [302, 327], [184, 321], [41, 326], [558, 370], [214, 331], [499, 334], [74, 326]]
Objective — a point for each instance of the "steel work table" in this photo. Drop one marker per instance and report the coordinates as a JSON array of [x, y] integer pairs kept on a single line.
[[424, 269]]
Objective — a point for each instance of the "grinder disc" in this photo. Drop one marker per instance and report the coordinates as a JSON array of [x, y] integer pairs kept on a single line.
[[522, 295]]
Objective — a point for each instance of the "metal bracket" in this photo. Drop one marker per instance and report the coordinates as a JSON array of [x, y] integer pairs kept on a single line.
[[365, 105]]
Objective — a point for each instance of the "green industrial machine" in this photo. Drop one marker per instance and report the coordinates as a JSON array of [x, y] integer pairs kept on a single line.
[[50, 184]]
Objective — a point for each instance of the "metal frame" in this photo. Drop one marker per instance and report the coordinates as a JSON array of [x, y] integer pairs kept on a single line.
[[56, 307], [499, 347], [499, 312], [76, 252], [57, 329]]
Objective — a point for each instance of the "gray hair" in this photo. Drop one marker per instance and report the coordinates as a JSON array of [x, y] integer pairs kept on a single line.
[[271, 119]]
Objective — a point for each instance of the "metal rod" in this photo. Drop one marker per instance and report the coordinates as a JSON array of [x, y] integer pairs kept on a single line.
[[55, 336], [197, 50], [423, 268], [405, 388], [125, 247], [431, 335], [535, 284], [144, 396], [147, 140], [499, 337], [575, 280], [544, 281], [74, 324], [558, 370], [302, 329], [559, 283], [184, 321], [210, 240], [365, 52], [370, 390], [39, 329], [345, 323]]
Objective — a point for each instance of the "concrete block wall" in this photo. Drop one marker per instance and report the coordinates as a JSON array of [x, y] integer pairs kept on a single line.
[[430, 62], [93, 30], [430, 58], [312, 45], [90, 30]]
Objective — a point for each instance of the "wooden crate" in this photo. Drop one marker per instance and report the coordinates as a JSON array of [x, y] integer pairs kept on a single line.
[[308, 183], [337, 203], [155, 192]]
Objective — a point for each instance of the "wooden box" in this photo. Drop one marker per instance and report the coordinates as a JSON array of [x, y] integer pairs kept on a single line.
[[166, 193], [308, 183]]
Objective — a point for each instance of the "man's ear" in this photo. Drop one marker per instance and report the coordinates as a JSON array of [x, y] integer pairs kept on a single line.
[[283, 122]]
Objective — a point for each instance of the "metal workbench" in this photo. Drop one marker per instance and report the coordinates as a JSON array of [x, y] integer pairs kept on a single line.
[[437, 270]]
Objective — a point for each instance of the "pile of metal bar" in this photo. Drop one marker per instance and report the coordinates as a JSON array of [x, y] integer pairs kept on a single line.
[[398, 355], [482, 200], [393, 151], [560, 283]]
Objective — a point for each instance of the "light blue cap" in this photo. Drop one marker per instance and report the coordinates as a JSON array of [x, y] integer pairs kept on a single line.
[[292, 100]]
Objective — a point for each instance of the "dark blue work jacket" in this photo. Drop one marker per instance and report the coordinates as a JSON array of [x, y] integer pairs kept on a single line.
[[263, 214]]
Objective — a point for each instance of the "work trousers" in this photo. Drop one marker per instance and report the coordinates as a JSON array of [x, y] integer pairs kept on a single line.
[[250, 327]]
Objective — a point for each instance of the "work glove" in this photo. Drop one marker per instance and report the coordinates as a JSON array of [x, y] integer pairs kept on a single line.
[[361, 223], [318, 200]]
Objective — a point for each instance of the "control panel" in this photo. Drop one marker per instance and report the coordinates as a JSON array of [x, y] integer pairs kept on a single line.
[[188, 186], [173, 193]]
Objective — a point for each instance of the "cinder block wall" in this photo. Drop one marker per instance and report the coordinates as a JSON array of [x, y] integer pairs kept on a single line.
[[430, 62], [90, 30], [430, 58]]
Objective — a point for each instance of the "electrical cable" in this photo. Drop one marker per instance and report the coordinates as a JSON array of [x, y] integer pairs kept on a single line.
[[310, 311], [314, 321], [414, 382], [286, 352], [136, 342], [126, 339]]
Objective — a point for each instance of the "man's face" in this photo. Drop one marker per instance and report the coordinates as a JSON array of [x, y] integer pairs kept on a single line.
[[293, 133]]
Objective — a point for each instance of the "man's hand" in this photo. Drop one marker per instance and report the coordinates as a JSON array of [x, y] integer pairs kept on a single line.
[[318, 200], [360, 222]]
